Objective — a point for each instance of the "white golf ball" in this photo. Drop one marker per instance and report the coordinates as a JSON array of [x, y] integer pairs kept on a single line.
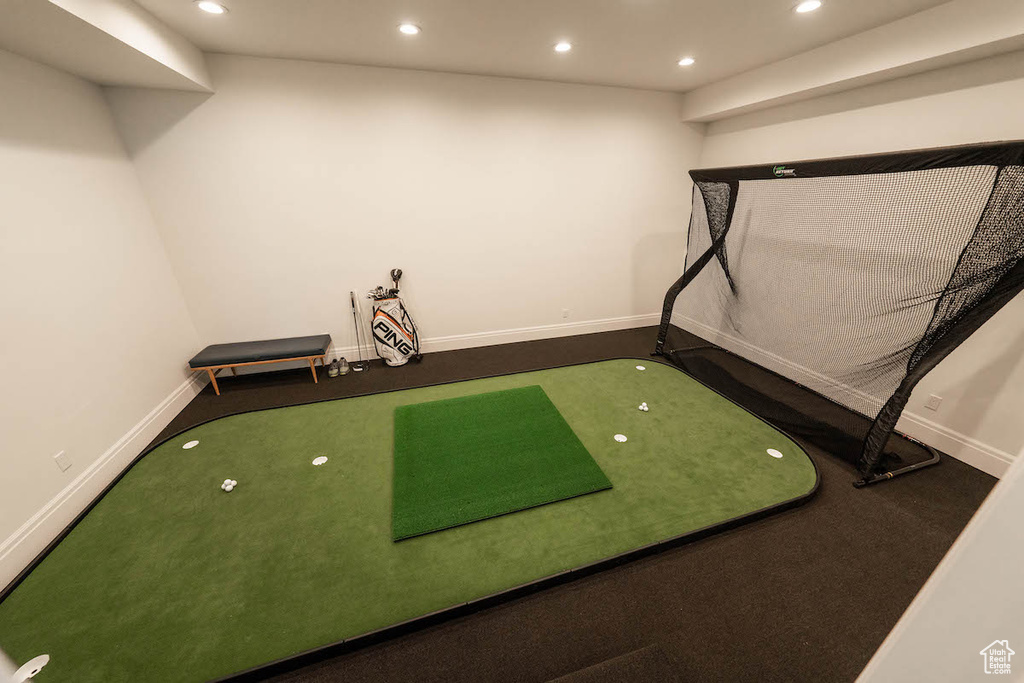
[[229, 488], [227, 481], [774, 453], [640, 367], [234, 483], [190, 444], [621, 438]]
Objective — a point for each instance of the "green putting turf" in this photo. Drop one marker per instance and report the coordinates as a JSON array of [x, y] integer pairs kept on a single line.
[[168, 578], [464, 459]]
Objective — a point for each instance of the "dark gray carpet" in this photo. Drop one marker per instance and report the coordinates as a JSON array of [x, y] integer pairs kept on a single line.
[[806, 595]]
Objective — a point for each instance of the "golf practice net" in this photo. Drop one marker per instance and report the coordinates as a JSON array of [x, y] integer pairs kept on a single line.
[[849, 278]]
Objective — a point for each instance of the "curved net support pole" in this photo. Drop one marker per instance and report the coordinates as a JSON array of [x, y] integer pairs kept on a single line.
[[878, 436], [988, 274], [953, 335], [719, 200], [673, 293]]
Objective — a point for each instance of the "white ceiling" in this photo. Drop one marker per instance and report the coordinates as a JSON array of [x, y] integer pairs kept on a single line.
[[633, 43], [44, 32]]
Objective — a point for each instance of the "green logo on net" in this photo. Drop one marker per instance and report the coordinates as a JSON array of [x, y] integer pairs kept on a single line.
[[783, 172]]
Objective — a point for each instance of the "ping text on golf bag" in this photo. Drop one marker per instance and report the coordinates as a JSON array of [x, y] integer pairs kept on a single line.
[[394, 332]]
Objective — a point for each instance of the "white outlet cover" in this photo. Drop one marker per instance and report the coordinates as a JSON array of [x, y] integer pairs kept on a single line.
[[62, 460]]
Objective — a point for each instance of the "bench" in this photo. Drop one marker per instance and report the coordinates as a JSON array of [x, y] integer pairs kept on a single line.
[[216, 357]]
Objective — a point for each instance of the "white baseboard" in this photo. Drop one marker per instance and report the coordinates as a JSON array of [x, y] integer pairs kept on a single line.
[[17, 551], [21, 547], [475, 339], [986, 458], [852, 397]]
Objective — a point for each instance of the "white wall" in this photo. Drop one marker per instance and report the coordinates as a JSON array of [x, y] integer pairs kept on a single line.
[[982, 382], [95, 330], [974, 597], [131, 24], [503, 200]]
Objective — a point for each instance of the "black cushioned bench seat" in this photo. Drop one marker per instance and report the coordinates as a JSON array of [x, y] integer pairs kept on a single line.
[[216, 357]]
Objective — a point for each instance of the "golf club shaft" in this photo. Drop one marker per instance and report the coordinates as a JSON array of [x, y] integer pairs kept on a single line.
[[355, 321]]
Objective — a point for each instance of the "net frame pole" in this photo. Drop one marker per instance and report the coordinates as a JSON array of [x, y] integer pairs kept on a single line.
[[990, 287], [673, 294], [693, 271], [1006, 289]]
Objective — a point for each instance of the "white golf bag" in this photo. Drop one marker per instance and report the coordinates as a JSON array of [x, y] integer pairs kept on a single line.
[[394, 332]]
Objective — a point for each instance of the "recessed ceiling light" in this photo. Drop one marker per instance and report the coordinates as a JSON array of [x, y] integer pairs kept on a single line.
[[563, 46], [687, 61], [409, 29], [808, 6], [211, 7]]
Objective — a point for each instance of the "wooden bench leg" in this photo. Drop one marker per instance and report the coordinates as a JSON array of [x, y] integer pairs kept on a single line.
[[234, 371], [312, 368], [213, 381]]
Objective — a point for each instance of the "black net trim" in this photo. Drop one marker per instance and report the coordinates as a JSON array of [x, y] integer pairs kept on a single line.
[[807, 416], [853, 287], [699, 254], [987, 154], [717, 200], [995, 248]]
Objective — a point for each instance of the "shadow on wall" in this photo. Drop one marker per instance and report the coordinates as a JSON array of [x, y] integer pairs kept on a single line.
[[41, 120], [970, 75], [154, 113], [978, 393], [653, 256]]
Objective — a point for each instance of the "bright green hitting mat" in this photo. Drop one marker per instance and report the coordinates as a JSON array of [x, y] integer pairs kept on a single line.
[[469, 458], [169, 578]]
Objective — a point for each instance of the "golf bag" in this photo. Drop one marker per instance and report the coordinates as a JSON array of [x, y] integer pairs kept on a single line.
[[394, 332]]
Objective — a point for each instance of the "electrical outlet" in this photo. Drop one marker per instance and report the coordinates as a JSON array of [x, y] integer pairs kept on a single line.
[[565, 313], [63, 461], [933, 402]]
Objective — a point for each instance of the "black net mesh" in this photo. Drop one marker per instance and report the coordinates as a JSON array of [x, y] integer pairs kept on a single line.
[[717, 203], [997, 245], [840, 280]]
